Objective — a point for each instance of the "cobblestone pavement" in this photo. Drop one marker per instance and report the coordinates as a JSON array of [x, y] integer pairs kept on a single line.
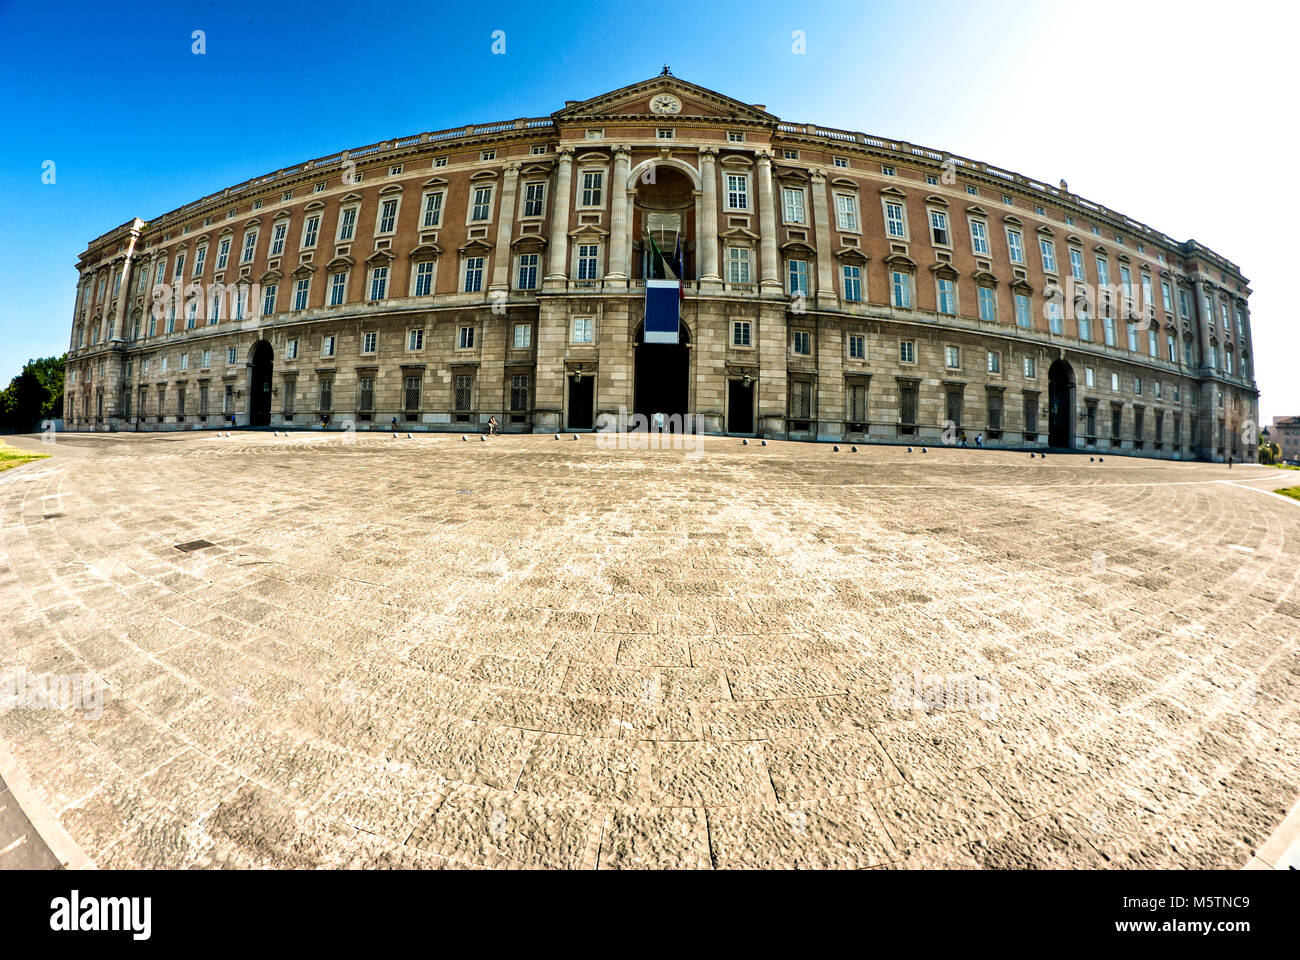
[[528, 652]]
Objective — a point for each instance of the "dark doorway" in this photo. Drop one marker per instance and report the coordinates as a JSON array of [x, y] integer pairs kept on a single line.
[[582, 393], [1060, 419], [663, 374], [740, 406], [259, 386]]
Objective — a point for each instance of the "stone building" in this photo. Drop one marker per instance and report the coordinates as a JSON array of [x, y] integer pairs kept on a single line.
[[836, 286], [1285, 432]]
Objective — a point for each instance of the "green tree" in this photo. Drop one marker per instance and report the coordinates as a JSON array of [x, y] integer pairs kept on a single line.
[[33, 395]]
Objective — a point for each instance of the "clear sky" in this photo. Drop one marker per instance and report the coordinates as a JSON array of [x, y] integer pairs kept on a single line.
[[1181, 115]]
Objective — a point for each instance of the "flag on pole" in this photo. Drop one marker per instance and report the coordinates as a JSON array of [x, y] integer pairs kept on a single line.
[[663, 294]]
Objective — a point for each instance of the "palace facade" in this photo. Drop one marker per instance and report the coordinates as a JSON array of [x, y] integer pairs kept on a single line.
[[837, 286]]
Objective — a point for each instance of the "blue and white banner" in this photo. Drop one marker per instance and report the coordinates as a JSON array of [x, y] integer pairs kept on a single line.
[[662, 311]]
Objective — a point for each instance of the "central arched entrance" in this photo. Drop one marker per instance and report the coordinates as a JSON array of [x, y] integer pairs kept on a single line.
[[662, 377], [259, 384], [1060, 399]]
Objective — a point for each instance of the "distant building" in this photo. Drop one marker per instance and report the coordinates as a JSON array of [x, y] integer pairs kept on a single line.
[[1285, 432], [837, 286]]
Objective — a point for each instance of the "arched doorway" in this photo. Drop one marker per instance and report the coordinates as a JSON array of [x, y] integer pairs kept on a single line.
[[662, 376], [259, 384], [1060, 417]]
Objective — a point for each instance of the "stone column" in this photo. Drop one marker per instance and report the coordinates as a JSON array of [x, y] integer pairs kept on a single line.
[[769, 267], [706, 220], [115, 368], [505, 228], [1208, 412], [619, 249], [822, 225], [561, 203]]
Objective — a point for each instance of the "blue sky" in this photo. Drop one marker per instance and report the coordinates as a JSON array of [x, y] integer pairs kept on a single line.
[[1178, 115]]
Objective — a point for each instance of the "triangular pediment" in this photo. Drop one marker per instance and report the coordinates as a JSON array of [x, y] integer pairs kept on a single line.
[[635, 100]]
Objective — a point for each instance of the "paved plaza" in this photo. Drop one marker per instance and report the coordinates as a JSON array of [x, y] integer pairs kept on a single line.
[[531, 652]]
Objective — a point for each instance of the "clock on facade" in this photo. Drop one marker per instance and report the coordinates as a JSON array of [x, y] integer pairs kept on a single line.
[[665, 103]]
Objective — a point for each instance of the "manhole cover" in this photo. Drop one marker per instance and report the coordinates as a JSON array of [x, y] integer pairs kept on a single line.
[[193, 545]]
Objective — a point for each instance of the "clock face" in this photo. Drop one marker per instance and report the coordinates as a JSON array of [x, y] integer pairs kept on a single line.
[[665, 103]]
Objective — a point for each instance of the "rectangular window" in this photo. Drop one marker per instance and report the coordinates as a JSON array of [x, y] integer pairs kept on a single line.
[[534, 198], [347, 224], [738, 265], [379, 283], [473, 274], [1114, 382], [268, 299], [735, 136], [365, 393], [411, 393], [528, 263], [902, 284], [466, 339], [388, 216], [300, 289], [1023, 316], [593, 182], [841, 161], [1108, 330], [415, 339], [1055, 321], [309, 231], [947, 296], [338, 286], [664, 133], [798, 277], [1085, 328], [895, 224], [424, 278], [369, 342], [523, 336], [230, 356], [1132, 337], [432, 210], [906, 351], [740, 333], [1089, 377], [1076, 265], [737, 191], [952, 357], [1184, 308], [792, 201], [327, 345], [588, 257], [1030, 368], [802, 343], [1048, 251], [995, 362], [1103, 272], [519, 392], [326, 395], [250, 246], [988, 305], [939, 228], [582, 329], [291, 351], [846, 212], [278, 232], [482, 206], [852, 283], [857, 347], [205, 360], [979, 237], [200, 258], [1152, 348], [1015, 245]]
